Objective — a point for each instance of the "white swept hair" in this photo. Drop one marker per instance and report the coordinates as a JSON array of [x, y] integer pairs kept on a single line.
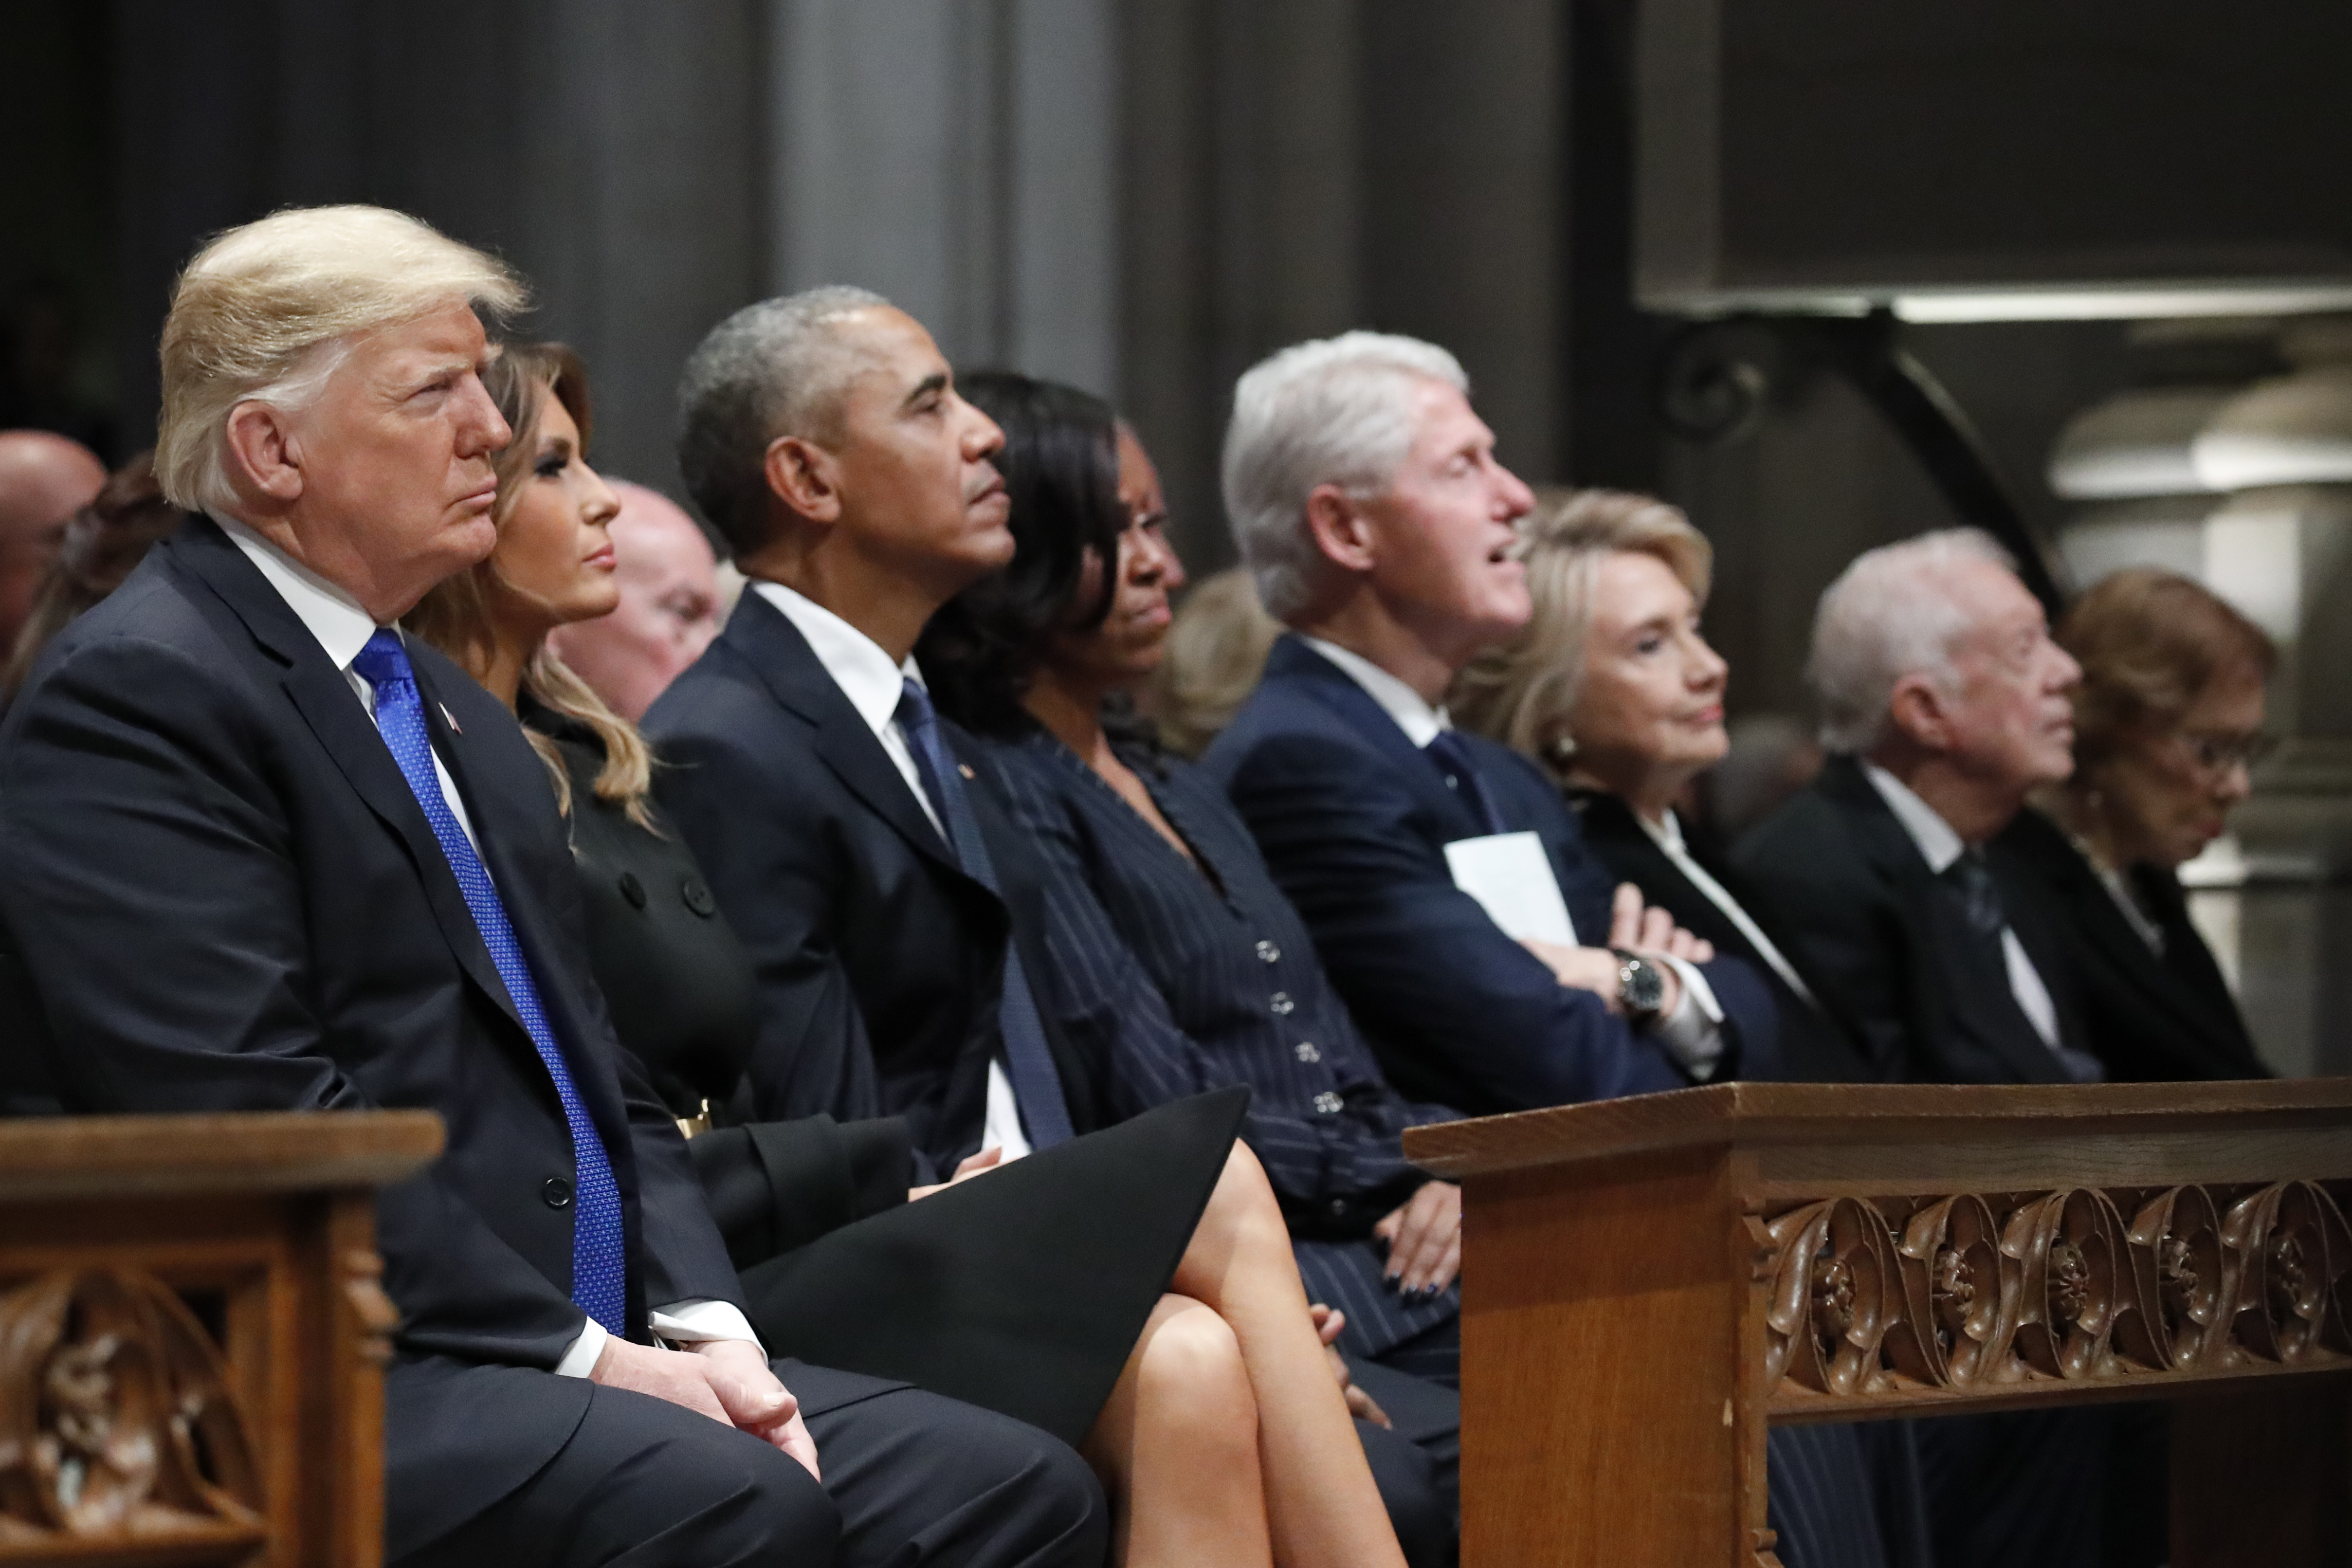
[[1335, 411], [1891, 612], [268, 311]]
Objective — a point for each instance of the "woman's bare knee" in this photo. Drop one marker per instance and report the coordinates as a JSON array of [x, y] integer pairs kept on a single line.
[[1193, 1377]]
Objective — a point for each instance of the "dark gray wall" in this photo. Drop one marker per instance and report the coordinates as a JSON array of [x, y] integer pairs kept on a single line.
[[1822, 479], [1297, 170], [599, 145], [1851, 144], [1144, 196]]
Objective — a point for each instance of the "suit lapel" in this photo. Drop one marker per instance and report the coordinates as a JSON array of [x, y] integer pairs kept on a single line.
[[1327, 684], [2196, 1010], [794, 675], [1636, 857], [324, 698], [2188, 968], [592, 1073], [1989, 1011]]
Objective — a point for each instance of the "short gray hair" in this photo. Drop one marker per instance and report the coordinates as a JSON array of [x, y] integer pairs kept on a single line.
[[268, 311], [776, 368], [1890, 614], [1336, 411]]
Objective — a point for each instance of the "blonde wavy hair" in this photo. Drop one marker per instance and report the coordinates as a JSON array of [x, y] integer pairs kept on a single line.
[[455, 616], [268, 311], [1521, 692], [1216, 651]]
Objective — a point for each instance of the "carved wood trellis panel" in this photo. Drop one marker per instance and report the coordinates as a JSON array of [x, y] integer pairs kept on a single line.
[[137, 1431], [1971, 1293], [116, 1421], [1789, 1253]]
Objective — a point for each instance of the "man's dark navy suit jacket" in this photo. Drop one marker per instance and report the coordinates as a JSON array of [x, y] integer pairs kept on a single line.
[[881, 965], [225, 898], [1354, 820]]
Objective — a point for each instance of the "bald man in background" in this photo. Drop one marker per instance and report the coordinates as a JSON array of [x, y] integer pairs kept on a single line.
[[45, 478], [670, 606]]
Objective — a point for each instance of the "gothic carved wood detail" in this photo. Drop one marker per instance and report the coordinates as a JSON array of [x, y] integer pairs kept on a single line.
[[117, 1422], [1976, 1293]]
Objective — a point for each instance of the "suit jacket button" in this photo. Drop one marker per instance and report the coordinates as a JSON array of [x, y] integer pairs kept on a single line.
[[698, 897], [1269, 953], [557, 1191], [633, 889]]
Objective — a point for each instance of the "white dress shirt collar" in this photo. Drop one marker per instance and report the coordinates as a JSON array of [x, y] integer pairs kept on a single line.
[[1421, 722], [856, 661], [331, 615], [1666, 832], [1939, 846]]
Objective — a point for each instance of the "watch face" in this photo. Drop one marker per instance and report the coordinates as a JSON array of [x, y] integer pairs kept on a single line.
[[1641, 988]]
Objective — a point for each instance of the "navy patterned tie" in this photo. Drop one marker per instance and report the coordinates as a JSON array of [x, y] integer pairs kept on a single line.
[[1035, 1082], [1452, 756], [598, 1261]]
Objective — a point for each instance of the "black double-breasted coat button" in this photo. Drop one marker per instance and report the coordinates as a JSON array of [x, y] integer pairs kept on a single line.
[[556, 1192]]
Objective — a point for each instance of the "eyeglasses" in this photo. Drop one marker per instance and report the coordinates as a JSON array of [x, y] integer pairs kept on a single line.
[[2220, 753]]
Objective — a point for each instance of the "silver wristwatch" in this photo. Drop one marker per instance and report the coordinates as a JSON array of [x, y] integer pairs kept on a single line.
[[1641, 989]]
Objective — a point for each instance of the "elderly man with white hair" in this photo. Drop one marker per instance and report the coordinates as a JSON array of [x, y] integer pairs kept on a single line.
[[260, 851], [1944, 703], [1485, 950]]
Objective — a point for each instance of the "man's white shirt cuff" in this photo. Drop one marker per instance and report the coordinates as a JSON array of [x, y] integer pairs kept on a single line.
[[1693, 1033], [681, 1323]]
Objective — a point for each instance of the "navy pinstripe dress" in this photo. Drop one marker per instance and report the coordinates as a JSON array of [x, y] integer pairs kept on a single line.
[[1183, 977]]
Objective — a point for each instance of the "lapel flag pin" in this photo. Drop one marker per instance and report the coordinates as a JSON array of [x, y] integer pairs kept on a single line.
[[965, 769], [450, 718]]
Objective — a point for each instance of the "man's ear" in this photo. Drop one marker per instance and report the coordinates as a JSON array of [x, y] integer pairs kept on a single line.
[[804, 477], [1919, 708], [265, 460], [1342, 533]]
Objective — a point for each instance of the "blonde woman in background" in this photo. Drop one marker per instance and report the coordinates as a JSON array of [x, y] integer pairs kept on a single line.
[[1216, 652], [1614, 688]]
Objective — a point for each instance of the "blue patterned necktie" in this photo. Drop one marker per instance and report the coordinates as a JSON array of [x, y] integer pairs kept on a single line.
[[1035, 1082], [1452, 756], [599, 1263]]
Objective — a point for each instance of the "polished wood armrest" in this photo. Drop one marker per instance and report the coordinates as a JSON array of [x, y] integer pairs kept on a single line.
[[1649, 1282], [192, 1332]]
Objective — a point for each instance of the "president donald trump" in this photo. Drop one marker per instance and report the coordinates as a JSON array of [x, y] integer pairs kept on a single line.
[[259, 851]]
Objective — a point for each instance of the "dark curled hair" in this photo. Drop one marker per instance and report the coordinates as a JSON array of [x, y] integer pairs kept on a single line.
[[1060, 463]]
